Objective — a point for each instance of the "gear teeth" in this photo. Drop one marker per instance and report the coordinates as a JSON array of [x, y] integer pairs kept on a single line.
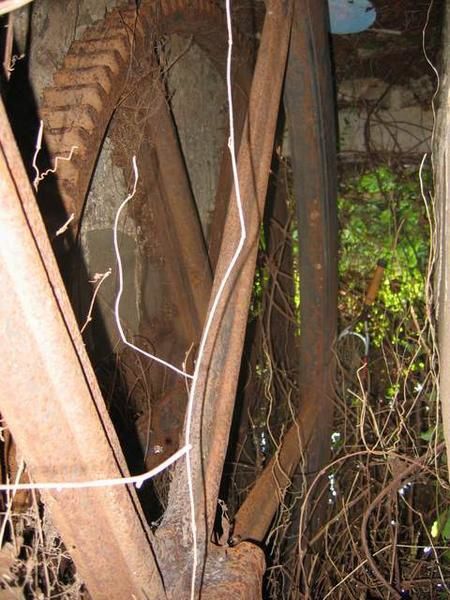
[[77, 95], [67, 117], [125, 23], [76, 109], [117, 42], [67, 139], [102, 75], [109, 58]]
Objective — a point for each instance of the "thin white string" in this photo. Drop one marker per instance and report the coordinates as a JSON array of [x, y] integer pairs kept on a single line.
[[99, 278], [219, 294], [436, 72], [137, 480], [65, 226], [40, 176], [121, 286], [9, 501]]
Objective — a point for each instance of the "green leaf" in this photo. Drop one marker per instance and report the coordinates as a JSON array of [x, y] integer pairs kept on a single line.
[[435, 529], [428, 435]]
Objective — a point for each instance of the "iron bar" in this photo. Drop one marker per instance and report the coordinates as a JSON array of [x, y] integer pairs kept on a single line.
[[218, 375], [310, 109], [52, 404]]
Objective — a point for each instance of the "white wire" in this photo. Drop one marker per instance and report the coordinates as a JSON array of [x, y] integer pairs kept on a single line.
[[361, 337], [120, 291], [215, 304], [137, 480], [40, 176]]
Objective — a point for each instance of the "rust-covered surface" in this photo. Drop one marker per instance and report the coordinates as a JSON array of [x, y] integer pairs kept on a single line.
[[252, 521], [67, 434], [217, 379], [234, 573], [309, 102], [181, 211], [309, 105], [52, 404], [111, 82], [95, 79]]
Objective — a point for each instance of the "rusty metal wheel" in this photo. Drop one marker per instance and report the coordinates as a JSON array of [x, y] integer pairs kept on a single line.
[[109, 102], [109, 94], [99, 71]]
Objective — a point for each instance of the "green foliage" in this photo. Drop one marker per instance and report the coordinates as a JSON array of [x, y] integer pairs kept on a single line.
[[261, 280], [430, 433], [382, 216], [259, 287], [441, 527], [296, 273]]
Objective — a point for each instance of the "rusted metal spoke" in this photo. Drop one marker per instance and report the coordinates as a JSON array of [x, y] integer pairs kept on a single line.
[[309, 103], [216, 387], [181, 212], [254, 517], [53, 406]]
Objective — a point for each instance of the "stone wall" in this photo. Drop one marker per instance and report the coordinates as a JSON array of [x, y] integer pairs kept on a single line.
[[377, 117]]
